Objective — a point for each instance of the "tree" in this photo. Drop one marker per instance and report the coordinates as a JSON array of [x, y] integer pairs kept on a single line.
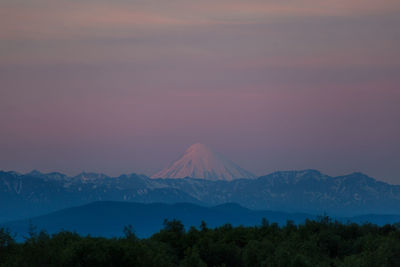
[[130, 233]]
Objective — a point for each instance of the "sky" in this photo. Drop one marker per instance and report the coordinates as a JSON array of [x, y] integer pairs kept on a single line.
[[126, 86]]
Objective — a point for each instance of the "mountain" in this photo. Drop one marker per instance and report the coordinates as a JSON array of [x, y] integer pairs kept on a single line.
[[306, 191], [31, 194], [199, 161], [108, 218]]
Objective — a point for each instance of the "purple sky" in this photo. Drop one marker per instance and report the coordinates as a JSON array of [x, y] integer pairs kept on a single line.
[[126, 86]]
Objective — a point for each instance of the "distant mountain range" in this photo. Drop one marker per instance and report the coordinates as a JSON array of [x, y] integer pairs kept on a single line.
[[307, 191], [200, 161], [109, 218]]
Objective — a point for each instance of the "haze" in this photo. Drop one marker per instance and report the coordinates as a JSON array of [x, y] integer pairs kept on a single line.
[[126, 86]]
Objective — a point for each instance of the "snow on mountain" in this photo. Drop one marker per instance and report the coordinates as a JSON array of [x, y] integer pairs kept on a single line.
[[309, 191], [199, 161]]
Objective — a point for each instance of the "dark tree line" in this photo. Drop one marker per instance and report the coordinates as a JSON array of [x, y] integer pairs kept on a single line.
[[315, 243]]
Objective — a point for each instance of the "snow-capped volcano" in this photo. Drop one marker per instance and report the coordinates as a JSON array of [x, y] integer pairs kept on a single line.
[[199, 161]]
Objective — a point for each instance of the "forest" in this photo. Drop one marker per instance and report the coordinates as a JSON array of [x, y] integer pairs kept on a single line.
[[321, 242]]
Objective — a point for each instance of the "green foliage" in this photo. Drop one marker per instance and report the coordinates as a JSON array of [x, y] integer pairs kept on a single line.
[[315, 243], [7, 246], [130, 233]]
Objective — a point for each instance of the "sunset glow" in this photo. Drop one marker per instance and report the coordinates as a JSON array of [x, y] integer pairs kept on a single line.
[[125, 86]]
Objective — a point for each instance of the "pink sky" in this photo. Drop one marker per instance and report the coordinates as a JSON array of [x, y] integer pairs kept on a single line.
[[125, 86]]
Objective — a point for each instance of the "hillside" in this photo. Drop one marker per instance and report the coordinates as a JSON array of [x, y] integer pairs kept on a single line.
[[307, 191], [108, 219]]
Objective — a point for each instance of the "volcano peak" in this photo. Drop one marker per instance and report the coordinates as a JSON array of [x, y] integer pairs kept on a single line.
[[200, 161]]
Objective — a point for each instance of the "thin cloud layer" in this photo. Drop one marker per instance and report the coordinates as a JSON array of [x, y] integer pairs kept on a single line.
[[75, 19], [120, 86]]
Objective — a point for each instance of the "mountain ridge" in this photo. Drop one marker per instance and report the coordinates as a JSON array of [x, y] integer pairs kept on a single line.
[[108, 218], [308, 191]]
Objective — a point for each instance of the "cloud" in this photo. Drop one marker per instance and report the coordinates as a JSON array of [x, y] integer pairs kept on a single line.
[[246, 34], [142, 73], [63, 19]]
